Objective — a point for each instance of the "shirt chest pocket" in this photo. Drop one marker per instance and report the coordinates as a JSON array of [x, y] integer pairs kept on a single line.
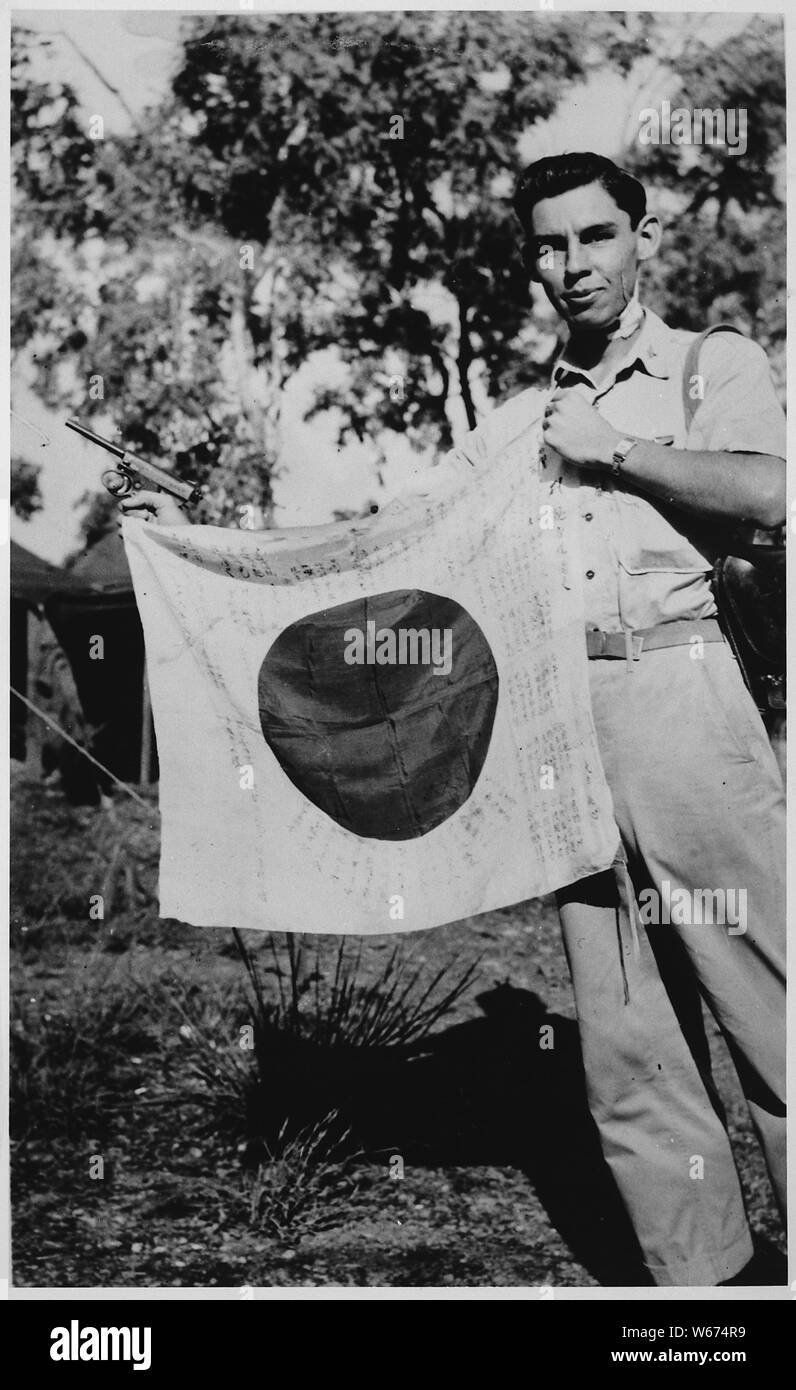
[[645, 407], [648, 541]]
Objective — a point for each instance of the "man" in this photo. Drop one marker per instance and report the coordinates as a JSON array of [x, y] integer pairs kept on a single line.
[[697, 793]]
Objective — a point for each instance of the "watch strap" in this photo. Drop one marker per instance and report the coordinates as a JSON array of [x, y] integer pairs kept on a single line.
[[620, 454]]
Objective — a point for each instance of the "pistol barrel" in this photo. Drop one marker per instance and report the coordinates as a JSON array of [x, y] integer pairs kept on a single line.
[[116, 449]]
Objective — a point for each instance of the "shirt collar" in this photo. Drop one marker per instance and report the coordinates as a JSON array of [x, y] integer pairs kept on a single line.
[[651, 350]]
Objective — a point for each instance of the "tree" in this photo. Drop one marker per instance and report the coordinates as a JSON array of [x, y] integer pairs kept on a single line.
[[343, 181], [26, 499], [724, 250], [197, 249], [132, 312], [385, 148]]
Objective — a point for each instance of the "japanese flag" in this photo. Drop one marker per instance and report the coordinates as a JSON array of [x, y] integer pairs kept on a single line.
[[380, 726]]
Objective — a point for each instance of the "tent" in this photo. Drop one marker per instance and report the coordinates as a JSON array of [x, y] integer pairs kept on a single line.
[[91, 609], [32, 581]]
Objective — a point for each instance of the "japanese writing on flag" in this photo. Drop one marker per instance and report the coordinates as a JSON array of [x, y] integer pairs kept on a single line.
[[375, 726]]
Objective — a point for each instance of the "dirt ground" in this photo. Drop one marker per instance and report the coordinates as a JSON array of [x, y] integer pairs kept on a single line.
[[138, 1155]]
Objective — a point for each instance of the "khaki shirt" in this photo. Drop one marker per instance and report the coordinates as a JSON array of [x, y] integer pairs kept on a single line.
[[643, 564]]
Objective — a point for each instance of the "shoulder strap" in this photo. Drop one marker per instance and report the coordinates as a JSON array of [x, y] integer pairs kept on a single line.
[[691, 368]]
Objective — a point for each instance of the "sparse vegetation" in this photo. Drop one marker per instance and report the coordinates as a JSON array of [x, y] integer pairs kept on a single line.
[[398, 1008], [306, 1180], [275, 1163]]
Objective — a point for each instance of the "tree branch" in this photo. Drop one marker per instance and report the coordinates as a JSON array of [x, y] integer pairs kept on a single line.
[[463, 362], [99, 76]]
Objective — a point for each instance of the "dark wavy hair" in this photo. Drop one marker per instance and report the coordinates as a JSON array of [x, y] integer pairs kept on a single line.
[[560, 173]]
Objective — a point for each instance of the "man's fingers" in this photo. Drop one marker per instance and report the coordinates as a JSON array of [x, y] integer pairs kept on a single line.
[[159, 507], [138, 501]]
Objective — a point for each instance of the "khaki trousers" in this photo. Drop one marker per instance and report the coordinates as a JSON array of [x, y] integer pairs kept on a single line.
[[700, 805]]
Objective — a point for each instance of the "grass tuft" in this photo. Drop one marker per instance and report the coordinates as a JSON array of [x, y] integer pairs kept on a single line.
[[75, 1066], [395, 1009], [305, 1182]]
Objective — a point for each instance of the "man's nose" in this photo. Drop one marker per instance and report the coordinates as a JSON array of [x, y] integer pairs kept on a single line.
[[576, 262]]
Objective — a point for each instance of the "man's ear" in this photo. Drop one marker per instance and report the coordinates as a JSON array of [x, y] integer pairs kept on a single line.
[[648, 236]]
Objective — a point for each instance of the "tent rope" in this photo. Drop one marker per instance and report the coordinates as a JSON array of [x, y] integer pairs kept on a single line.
[[53, 725]]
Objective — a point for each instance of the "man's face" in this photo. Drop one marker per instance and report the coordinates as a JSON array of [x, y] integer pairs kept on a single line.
[[586, 255]]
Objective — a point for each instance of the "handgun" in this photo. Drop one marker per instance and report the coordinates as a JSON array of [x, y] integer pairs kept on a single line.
[[131, 471]]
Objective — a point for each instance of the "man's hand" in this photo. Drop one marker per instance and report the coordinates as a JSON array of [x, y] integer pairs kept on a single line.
[[158, 507], [577, 432]]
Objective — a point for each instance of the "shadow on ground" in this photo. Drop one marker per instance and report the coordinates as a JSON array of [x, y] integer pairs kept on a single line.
[[505, 1089]]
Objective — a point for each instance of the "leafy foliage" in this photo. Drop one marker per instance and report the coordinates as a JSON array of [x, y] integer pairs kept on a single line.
[[26, 497], [724, 253], [343, 181]]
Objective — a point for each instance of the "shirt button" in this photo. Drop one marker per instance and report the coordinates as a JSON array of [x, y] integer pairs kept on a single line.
[[588, 516], [590, 574]]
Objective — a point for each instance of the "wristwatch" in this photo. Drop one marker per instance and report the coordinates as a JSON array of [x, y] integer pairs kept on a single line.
[[620, 454]]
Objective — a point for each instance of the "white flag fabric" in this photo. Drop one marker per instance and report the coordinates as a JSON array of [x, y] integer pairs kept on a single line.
[[376, 726]]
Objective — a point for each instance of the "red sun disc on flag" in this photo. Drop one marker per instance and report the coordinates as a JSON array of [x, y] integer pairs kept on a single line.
[[380, 711]]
